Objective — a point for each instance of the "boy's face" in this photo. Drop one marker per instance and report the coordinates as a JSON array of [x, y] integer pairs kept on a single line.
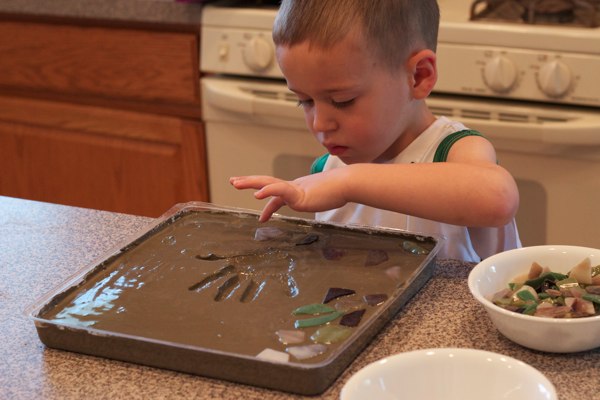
[[357, 109]]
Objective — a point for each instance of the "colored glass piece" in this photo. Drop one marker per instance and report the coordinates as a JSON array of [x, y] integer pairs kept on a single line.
[[268, 233], [331, 334], [316, 321], [376, 257], [348, 304], [352, 319], [333, 254], [290, 336], [273, 355], [308, 239], [394, 273], [375, 299], [414, 248], [307, 351], [313, 309], [334, 293]]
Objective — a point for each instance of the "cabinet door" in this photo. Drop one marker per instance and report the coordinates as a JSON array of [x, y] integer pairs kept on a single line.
[[107, 66], [100, 158]]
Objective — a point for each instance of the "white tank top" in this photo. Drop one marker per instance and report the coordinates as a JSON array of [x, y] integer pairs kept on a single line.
[[458, 242]]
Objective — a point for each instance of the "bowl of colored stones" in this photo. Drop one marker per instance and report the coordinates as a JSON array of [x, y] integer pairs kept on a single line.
[[449, 374], [546, 298], [209, 290]]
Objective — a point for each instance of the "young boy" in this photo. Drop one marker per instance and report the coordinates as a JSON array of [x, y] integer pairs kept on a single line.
[[362, 71]]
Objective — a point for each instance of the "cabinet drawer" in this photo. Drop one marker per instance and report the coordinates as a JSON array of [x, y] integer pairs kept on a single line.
[[96, 62]]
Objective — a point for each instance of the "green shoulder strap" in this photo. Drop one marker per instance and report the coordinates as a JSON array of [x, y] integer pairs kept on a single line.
[[319, 164], [443, 149]]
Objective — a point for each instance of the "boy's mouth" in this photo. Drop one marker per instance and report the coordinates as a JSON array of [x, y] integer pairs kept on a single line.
[[336, 150]]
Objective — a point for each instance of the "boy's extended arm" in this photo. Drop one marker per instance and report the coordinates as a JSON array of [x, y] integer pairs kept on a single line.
[[470, 189]]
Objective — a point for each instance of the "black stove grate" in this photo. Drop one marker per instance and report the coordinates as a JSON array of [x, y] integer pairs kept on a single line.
[[582, 13]]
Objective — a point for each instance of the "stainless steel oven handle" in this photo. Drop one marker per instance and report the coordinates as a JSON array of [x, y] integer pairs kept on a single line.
[[575, 132], [246, 99]]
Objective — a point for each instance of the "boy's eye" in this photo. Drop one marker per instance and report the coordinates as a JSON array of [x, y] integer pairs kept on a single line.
[[342, 104], [304, 103], [337, 104]]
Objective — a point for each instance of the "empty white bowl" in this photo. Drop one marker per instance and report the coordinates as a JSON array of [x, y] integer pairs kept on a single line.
[[558, 335], [448, 374]]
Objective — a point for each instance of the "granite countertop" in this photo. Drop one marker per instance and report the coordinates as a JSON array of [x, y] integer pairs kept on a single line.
[[126, 11], [42, 244]]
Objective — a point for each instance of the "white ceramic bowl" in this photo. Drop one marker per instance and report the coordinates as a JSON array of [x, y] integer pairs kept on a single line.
[[449, 374], [555, 335]]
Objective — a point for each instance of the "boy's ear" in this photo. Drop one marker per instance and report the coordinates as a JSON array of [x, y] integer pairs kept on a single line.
[[422, 73]]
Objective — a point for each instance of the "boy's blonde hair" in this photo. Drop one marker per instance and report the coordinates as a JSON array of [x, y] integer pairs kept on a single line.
[[394, 29]]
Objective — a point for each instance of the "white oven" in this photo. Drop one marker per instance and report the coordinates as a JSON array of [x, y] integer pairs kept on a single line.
[[531, 90], [253, 128]]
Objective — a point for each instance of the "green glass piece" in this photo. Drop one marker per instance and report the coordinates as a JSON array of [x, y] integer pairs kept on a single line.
[[594, 298], [313, 309], [525, 295], [536, 283], [567, 283], [530, 309], [331, 334], [347, 305], [316, 321], [414, 248]]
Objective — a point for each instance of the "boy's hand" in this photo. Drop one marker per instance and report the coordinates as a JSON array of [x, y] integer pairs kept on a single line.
[[311, 193]]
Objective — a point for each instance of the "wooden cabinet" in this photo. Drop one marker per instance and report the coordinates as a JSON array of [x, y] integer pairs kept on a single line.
[[101, 117]]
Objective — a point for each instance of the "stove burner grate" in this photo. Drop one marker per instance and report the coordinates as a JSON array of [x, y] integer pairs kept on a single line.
[[582, 13]]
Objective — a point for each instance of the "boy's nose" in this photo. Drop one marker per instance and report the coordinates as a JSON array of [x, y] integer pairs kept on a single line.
[[322, 121]]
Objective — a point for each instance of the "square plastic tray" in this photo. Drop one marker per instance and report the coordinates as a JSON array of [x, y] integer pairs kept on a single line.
[[205, 289]]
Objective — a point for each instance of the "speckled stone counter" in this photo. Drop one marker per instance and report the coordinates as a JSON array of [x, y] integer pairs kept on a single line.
[[145, 11], [42, 244]]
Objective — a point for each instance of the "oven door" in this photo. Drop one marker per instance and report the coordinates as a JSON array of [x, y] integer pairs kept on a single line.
[[253, 127], [553, 153]]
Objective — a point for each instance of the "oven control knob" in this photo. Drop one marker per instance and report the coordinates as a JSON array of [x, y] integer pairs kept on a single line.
[[258, 54], [500, 74], [554, 78]]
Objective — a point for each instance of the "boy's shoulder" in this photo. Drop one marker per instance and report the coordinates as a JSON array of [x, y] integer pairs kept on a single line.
[[441, 153]]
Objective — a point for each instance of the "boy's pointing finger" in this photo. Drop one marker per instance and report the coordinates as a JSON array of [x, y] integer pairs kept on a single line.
[[252, 181]]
